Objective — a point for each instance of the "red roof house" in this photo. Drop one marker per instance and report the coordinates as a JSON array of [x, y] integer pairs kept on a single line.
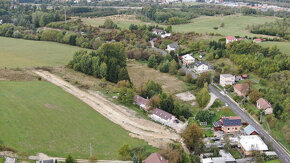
[[257, 40], [230, 39], [264, 104], [155, 158], [142, 102], [242, 89]]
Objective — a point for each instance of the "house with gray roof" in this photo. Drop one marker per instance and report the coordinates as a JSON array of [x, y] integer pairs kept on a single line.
[[163, 117], [250, 130], [201, 66], [172, 47], [228, 124]]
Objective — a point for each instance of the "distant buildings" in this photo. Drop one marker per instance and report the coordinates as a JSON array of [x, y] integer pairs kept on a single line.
[[163, 117], [257, 40], [1, 21], [228, 124], [155, 158], [158, 31], [227, 79], [230, 39], [172, 47], [265, 105], [242, 89], [252, 143], [187, 59]]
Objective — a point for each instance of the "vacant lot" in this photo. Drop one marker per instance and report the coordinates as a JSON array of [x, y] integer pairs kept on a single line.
[[283, 46], [233, 24], [37, 116], [25, 53], [140, 74]]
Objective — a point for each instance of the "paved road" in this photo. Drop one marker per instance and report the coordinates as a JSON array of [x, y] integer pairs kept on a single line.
[[162, 51], [282, 154]]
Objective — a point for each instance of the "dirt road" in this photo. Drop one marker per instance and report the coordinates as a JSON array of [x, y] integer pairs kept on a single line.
[[155, 134]]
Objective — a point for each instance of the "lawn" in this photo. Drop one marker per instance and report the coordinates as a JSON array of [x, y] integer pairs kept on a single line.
[[1, 160], [233, 24], [26, 53], [283, 46], [37, 116], [140, 73], [274, 161]]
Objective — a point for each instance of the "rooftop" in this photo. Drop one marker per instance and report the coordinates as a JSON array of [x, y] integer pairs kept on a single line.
[[162, 114], [199, 63], [227, 75], [243, 88], [230, 38], [173, 45], [155, 158], [264, 103], [250, 129], [187, 57], [253, 142], [232, 121]]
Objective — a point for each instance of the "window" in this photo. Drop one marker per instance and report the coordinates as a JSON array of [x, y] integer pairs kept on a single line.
[[236, 128], [228, 128]]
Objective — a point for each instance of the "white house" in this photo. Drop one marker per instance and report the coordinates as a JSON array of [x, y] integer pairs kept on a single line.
[[157, 31], [172, 47], [252, 143], [230, 39], [227, 79], [201, 66], [264, 104], [165, 35], [187, 59], [163, 117]]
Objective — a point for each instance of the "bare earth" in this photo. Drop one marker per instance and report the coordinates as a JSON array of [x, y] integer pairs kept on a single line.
[[155, 134]]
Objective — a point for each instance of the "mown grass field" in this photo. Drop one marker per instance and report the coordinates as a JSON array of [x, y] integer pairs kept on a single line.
[[26, 53], [37, 116], [283, 46], [233, 24]]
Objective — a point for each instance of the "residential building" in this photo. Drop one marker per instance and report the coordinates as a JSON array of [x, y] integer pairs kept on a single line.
[[158, 31], [257, 40], [227, 79], [163, 117], [201, 66], [252, 143], [1, 21], [165, 35], [238, 78], [228, 124], [230, 39], [250, 130], [143, 103], [155, 158], [187, 59], [172, 47], [227, 156], [264, 104], [242, 89]]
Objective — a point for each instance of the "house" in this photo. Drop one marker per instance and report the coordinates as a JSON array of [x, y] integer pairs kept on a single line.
[[264, 104], [257, 40], [245, 76], [228, 124], [155, 158], [252, 143], [227, 79], [187, 59], [242, 89], [250, 130], [157, 31], [238, 78], [142, 102], [163, 117], [165, 35], [227, 156], [201, 66], [230, 39], [1, 21], [172, 47]]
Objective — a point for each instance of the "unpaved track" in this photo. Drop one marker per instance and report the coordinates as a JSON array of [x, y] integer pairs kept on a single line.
[[155, 134]]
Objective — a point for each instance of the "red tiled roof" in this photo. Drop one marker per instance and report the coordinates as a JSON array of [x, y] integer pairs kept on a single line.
[[257, 39], [230, 38], [244, 75], [264, 103], [140, 100], [155, 158], [243, 88]]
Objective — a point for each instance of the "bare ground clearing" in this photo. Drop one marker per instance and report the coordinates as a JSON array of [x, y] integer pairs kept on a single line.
[[155, 134]]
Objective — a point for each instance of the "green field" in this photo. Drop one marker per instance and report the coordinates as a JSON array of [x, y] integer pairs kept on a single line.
[[283, 46], [37, 116], [26, 53], [234, 24]]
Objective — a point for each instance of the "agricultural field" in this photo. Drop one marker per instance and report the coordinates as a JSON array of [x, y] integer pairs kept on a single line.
[[140, 74], [26, 53], [123, 21], [37, 116], [233, 24], [283, 46]]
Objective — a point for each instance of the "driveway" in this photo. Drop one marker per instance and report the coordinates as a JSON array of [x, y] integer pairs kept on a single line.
[[281, 152]]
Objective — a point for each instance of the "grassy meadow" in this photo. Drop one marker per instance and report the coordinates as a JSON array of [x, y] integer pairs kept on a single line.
[[283, 46], [26, 53], [37, 116]]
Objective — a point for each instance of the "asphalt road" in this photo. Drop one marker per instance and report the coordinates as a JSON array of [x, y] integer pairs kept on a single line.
[[281, 152]]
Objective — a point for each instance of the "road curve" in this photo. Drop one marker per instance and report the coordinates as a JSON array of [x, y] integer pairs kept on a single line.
[[281, 152]]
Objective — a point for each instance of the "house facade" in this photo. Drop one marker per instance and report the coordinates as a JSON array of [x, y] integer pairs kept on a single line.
[[242, 89], [227, 79], [187, 59], [252, 143], [201, 67], [172, 47], [163, 117], [228, 124], [230, 39], [143, 103], [157, 31], [264, 104]]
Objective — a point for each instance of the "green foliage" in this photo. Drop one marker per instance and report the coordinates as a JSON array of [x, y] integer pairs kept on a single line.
[[173, 67], [6, 30], [203, 97], [152, 61], [195, 158], [153, 88], [70, 159], [164, 66], [255, 95], [124, 152], [109, 24], [202, 79], [126, 96], [193, 136], [205, 116]]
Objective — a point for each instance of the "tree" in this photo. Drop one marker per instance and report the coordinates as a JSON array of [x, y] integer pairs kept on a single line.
[[93, 159], [195, 158], [188, 78], [278, 110], [173, 153], [153, 88], [167, 103], [70, 159], [193, 138], [227, 146], [124, 152], [168, 29], [155, 101], [109, 24], [203, 96], [203, 78], [205, 116], [152, 61], [126, 95], [255, 95], [123, 74], [173, 67], [103, 70]]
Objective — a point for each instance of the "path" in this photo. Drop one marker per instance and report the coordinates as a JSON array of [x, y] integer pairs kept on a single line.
[[155, 134], [194, 76], [162, 51], [212, 99], [281, 152]]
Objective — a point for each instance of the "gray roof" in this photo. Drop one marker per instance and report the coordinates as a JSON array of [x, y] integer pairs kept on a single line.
[[218, 160], [249, 129], [198, 63], [217, 123], [232, 122], [162, 114], [173, 45]]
